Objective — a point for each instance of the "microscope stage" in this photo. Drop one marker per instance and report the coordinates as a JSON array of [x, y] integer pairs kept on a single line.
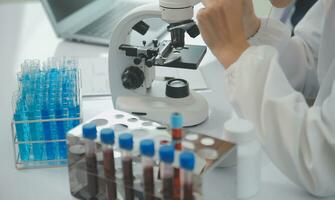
[[190, 57]]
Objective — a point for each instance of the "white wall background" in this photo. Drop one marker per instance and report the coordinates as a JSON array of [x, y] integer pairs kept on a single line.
[[262, 7]]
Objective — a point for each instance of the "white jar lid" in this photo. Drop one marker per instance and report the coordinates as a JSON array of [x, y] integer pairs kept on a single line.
[[239, 131]]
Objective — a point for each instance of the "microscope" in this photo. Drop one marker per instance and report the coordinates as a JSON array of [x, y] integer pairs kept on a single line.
[[133, 82], [132, 77]]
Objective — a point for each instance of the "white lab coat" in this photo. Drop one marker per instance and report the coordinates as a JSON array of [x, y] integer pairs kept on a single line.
[[269, 85], [284, 14]]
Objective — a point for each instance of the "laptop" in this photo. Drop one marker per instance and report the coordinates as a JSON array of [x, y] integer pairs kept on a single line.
[[93, 21]]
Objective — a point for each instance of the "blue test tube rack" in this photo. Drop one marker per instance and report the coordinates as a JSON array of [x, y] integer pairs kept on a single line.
[[46, 106]]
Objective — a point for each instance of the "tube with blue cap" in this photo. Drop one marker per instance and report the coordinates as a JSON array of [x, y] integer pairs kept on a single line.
[[126, 145], [166, 154], [90, 134], [177, 135], [187, 162], [107, 137], [177, 130], [147, 148]]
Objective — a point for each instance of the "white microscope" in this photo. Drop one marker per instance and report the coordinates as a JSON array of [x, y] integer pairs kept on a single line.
[[135, 89], [132, 68]]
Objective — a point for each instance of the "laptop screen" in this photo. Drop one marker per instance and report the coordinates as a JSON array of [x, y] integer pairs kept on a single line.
[[63, 8]]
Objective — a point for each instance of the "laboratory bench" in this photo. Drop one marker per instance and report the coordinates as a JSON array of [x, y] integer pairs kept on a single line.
[[26, 33]]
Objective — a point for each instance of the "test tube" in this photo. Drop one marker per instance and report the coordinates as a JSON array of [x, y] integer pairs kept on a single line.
[[187, 161], [126, 145], [31, 99], [176, 123], [163, 142], [90, 134], [22, 134], [147, 148], [107, 138], [166, 154], [62, 129], [50, 129], [49, 113], [37, 134]]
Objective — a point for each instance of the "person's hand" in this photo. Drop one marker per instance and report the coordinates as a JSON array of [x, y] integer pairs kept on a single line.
[[250, 20], [281, 3], [221, 24]]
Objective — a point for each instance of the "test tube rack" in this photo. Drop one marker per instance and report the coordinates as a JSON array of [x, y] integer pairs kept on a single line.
[[209, 153], [33, 164], [29, 162]]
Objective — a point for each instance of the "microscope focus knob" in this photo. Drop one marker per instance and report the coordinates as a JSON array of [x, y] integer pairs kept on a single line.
[[177, 88], [137, 61], [132, 78], [155, 42], [150, 62]]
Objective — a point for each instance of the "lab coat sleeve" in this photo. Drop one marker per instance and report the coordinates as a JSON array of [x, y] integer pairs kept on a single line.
[[271, 32], [274, 33], [298, 56], [299, 140]]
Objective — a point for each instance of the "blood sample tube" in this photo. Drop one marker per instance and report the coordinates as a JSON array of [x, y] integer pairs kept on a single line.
[[126, 145], [90, 134], [107, 138], [163, 142], [147, 148], [176, 123], [187, 161], [166, 154]]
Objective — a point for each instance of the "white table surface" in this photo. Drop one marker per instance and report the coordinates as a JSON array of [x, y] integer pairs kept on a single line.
[[26, 33]]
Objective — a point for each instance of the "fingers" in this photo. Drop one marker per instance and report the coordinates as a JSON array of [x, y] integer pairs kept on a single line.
[[248, 8], [281, 3], [208, 17], [210, 20], [201, 15], [208, 3]]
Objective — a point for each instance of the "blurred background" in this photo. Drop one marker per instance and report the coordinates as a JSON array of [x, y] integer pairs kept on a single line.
[[262, 9], [262, 6], [2, 1]]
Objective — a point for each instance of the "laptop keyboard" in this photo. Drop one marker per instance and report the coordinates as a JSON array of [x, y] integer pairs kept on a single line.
[[103, 27]]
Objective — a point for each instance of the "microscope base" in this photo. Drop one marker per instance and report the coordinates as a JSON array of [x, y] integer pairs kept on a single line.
[[193, 108]]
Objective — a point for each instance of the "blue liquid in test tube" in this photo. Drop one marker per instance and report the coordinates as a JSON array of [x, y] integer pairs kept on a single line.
[[62, 129], [22, 134], [37, 134], [74, 113], [49, 93], [50, 131]]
